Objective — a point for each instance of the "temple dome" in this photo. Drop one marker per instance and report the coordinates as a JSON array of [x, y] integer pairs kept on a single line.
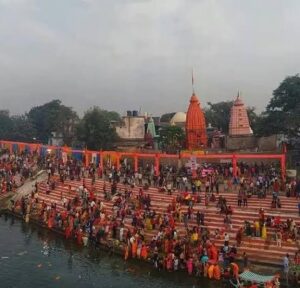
[[179, 117]]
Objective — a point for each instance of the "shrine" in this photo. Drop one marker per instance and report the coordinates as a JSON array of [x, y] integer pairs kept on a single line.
[[239, 122], [151, 137], [195, 126]]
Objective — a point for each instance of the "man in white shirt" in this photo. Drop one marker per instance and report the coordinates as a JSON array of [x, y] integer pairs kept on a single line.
[[121, 233], [286, 267]]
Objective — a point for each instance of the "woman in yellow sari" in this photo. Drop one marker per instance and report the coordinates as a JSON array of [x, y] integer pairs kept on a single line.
[[264, 232], [194, 237], [148, 224]]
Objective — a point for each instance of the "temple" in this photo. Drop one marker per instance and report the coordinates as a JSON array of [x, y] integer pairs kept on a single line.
[[195, 126], [151, 137], [239, 122]]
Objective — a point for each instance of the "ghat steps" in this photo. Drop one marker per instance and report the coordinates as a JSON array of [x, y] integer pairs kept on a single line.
[[258, 249]]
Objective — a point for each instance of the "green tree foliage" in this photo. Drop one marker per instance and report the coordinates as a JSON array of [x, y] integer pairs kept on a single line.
[[282, 115], [269, 124], [95, 129], [253, 119], [22, 129], [218, 115], [111, 115], [172, 139], [53, 117], [5, 124], [15, 128]]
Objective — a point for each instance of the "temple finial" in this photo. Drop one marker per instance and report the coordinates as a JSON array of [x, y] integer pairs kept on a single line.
[[238, 94], [193, 81]]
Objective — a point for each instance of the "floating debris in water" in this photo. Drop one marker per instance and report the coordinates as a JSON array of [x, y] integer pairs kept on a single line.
[[57, 277], [4, 257], [22, 253], [39, 265]]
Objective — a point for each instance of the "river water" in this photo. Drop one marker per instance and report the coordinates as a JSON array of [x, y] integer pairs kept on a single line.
[[34, 257]]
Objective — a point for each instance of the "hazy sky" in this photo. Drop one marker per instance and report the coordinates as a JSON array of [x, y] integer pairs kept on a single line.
[[123, 55]]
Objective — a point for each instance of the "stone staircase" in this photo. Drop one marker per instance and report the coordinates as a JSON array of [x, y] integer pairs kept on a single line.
[[258, 249]]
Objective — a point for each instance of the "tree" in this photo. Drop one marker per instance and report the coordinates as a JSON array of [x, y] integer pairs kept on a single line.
[[22, 129], [67, 120], [172, 138], [15, 128], [269, 124], [53, 117], [218, 115], [282, 115], [5, 125], [253, 119], [95, 129]]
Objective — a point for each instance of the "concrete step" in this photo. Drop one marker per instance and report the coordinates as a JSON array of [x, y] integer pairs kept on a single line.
[[256, 248]]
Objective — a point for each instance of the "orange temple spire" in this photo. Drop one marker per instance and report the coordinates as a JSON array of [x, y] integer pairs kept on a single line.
[[195, 125]]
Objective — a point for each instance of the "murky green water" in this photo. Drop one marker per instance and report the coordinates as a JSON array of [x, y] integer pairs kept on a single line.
[[34, 257]]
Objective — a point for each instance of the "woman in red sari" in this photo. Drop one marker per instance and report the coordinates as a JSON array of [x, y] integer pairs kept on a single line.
[[297, 258], [68, 232]]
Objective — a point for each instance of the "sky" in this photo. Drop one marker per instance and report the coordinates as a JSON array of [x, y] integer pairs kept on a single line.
[[139, 54]]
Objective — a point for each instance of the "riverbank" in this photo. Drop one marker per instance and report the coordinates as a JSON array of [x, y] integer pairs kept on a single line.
[[109, 246], [54, 257], [50, 200], [113, 248]]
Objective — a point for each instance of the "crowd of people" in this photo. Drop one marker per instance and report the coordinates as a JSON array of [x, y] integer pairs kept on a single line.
[[88, 220], [14, 170], [118, 216]]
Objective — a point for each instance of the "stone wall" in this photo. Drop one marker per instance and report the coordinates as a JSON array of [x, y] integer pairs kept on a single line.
[[252, 143], [238, 143], [267, 143]]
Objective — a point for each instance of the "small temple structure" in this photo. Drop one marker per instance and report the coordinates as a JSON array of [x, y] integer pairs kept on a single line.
[[239, 122], [195, 125], [151, 137]]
